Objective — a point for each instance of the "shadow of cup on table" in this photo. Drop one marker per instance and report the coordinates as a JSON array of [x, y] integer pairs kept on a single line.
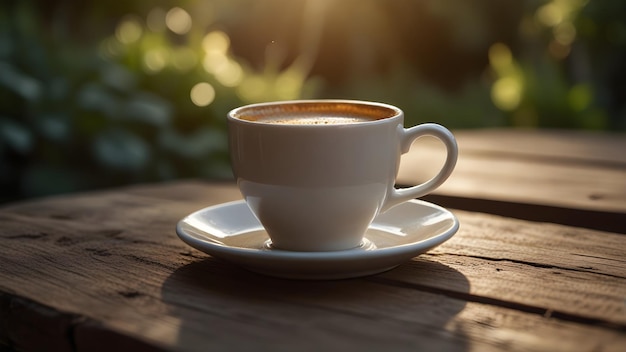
[[221, 305]]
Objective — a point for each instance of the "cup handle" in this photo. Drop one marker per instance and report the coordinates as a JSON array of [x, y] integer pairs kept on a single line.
[[396, 196]]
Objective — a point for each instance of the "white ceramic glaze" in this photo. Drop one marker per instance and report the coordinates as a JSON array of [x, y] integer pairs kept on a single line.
[[231, 232], [318, 187]]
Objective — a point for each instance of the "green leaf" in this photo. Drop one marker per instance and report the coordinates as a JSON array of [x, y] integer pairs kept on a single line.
[[118, 77], [197, 145], [27, 87], [148, 108], [121, 150], [54, 126], [16, 136], [41, 179], [95, 97]]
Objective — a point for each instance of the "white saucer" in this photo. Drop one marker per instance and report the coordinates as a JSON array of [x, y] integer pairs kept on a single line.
[[231, 232]]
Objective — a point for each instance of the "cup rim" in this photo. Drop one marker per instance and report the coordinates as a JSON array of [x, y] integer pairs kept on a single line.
[[394, 112]]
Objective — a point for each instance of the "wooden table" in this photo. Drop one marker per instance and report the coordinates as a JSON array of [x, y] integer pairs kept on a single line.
[[105, 271]]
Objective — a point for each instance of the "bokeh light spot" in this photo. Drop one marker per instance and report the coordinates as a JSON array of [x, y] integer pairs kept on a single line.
[[184, 59], [214, 62], [156, 19], [289, 84], [500, 57], [550, 14], [252, 89], [128, 31], [202, 94], [155, 60], [506, 93], [178, 20], [579, 97], [216, 41], [565, 33], [111, 48], [230, 75], [558, 50]]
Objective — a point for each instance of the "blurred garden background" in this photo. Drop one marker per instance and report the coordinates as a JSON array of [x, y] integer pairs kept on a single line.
[[103, 93]]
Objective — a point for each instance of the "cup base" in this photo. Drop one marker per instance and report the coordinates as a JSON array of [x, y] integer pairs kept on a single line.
[[365, 245]]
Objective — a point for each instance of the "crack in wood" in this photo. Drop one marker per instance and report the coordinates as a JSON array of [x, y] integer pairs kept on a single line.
[[111, 233], [99, 252], [596, 257], [585, 269], [65, 241], [29, 236], [147, 261], [193, 255], [468, 297], [130, 294], [61, 216]]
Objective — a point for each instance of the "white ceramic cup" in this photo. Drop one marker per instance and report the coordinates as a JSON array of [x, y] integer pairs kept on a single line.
[[317, 187]]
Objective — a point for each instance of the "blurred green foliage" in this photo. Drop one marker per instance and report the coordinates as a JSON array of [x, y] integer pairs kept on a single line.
[[96, 94]]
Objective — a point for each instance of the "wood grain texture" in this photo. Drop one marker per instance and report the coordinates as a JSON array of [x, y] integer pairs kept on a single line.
[[105, 270], [575, 178]]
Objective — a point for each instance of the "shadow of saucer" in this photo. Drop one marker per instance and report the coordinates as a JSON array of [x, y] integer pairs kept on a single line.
[[222, 306]]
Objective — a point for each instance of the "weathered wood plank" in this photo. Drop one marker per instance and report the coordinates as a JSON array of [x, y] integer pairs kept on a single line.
[[568, 270], [345, 314], [583, 147], [576, 178], [33, 327], [133, 282]]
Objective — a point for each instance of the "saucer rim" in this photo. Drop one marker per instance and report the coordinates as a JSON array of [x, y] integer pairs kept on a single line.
[[200, 241]]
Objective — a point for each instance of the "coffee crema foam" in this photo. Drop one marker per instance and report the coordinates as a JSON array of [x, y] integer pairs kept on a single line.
[[312, 120]]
